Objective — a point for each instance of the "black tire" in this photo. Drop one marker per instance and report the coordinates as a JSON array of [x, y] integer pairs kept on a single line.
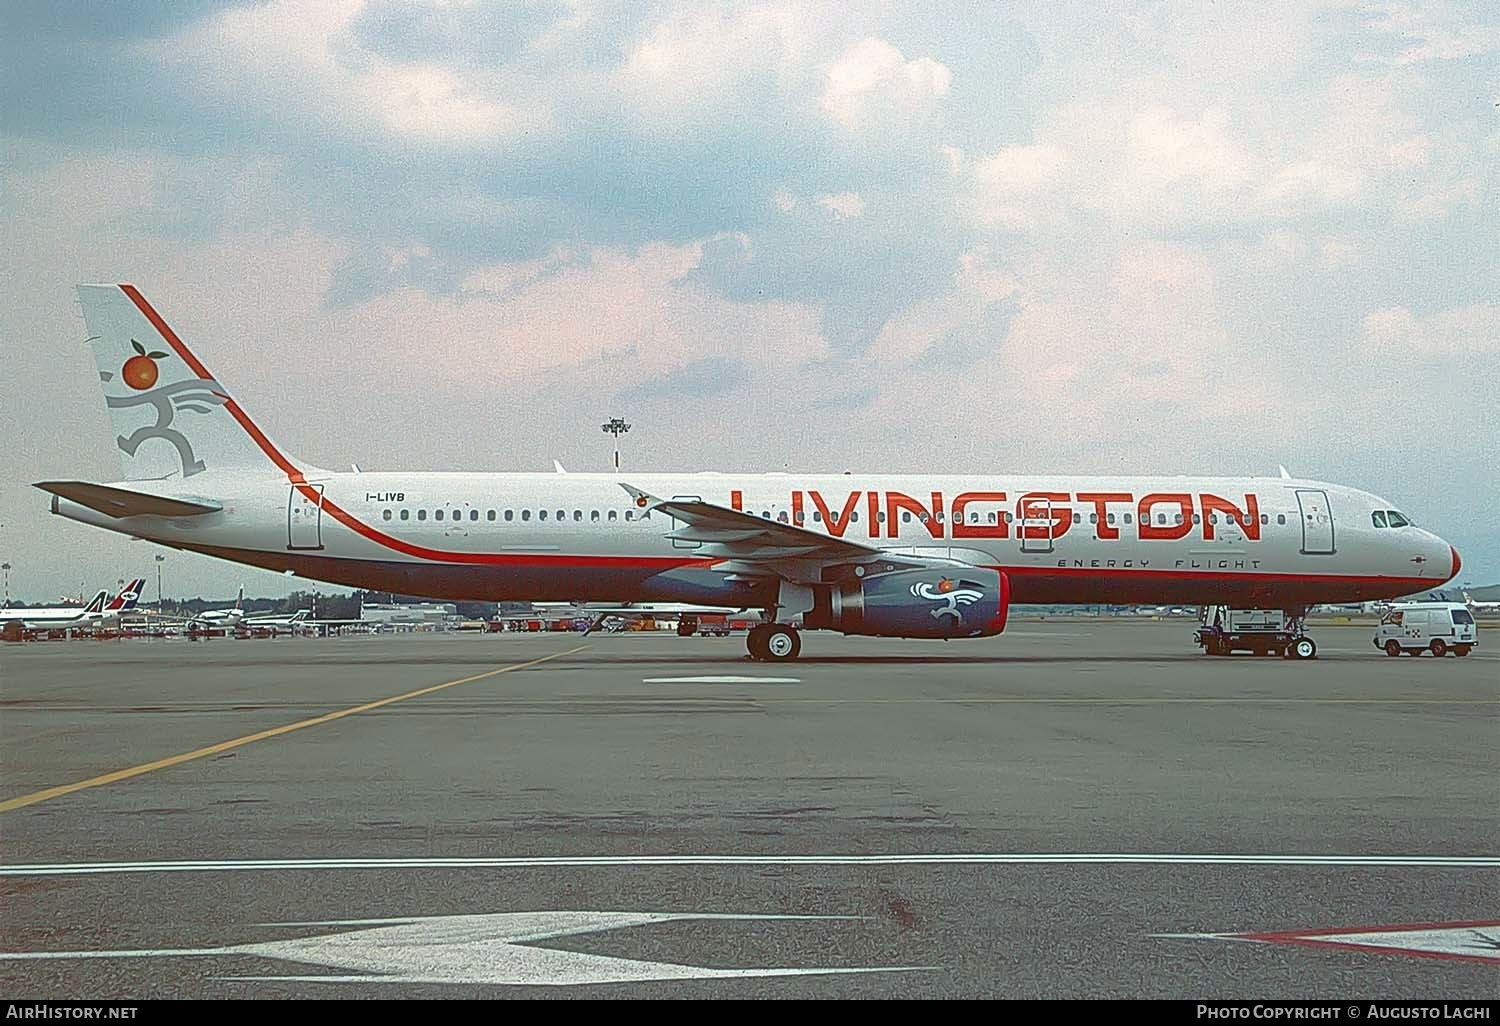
[[782, 644], [1460, 650], [1439, 647], [1304, 648], [755, 641], [1393, 648]]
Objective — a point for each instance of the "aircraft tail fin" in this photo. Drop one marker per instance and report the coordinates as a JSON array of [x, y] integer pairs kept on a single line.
[[128, 597], [239, 600], [172, 417], [96, 604]]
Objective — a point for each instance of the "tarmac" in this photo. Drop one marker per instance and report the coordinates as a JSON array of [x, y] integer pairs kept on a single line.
[[1078, 808]]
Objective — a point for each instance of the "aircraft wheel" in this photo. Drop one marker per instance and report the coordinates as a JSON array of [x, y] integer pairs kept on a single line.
[[755, 641], [1439, 648], [1393, 648], [1460, 650], [1304, 648], [782, 644]]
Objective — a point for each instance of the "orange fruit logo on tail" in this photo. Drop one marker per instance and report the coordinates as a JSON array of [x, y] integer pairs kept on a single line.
[[139, 371]]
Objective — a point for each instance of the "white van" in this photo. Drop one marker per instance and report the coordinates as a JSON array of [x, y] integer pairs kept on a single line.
[[1437, 627]]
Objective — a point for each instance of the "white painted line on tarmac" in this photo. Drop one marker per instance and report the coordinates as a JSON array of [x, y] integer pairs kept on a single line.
[[648, 861], [722, 680]]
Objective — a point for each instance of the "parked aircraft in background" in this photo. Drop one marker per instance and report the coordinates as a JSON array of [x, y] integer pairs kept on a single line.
[[1480, 607], [97, 611], [221, 617], [914, 556]]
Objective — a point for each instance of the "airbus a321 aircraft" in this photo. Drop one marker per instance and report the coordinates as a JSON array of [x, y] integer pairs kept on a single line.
[[893, 556]]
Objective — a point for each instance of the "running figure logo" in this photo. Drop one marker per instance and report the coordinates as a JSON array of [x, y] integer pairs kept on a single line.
[[947, 591], [197, 395]]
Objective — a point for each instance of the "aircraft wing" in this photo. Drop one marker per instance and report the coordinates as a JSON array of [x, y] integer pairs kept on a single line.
[[743, 537]]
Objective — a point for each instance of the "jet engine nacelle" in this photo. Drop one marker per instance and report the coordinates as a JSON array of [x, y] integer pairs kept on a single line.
[[962, 602]]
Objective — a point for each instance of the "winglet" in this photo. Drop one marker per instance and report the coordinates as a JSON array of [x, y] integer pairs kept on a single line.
[[1284, 475]]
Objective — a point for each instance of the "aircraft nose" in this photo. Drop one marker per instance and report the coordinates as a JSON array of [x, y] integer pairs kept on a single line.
[[1456, 562]]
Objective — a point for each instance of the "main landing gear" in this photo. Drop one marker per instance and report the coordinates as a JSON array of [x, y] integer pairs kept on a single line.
[[773, 643]]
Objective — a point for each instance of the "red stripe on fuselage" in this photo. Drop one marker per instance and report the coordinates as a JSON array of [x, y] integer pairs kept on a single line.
[[296, 478]]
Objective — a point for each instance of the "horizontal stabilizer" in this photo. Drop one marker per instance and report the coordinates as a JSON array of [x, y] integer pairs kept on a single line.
[[121, 502]]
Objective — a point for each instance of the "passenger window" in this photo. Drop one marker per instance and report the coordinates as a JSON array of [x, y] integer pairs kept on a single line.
[[1077, 518], [1196, 519], [458, 514], [906, 516], [1177, 519], [1281, 518], [406, 514], [854, 517], [421, 514], [800, 516], [817, 517], [437, 514], [1111, 518], [577, 515], [1378, 518], [939, 516], [489, 515], [1127, 518], [594, 516], [510, 515], [541, 514], [474, 514], [630, 514], [1093, 518], [385, 515], [526, 514], [781, 517], [562, 514], [613, 515], [1161, 518], [1265, 518], [993, 518]]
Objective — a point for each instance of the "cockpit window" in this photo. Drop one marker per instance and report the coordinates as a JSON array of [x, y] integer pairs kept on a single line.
[[1379, 517], [1397, 520]]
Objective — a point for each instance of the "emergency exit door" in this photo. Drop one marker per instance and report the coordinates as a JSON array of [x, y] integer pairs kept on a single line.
[[304, 517], [1035, 524], [1317, 522]]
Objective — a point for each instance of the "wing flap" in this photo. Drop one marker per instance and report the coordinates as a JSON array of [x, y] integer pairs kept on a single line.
[[122, 502]]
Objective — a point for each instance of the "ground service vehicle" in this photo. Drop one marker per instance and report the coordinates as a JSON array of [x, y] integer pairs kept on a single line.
[[1436, 627], [1262, 631]]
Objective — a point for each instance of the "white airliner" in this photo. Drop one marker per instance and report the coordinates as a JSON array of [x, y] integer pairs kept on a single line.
[[1480, 607], [899, 556], [58, 617], [221, 617]]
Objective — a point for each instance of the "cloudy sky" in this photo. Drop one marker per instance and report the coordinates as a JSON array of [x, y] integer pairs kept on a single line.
[[951, 236]]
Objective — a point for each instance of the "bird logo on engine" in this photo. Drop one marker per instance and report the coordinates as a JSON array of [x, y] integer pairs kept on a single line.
[[951, 594]]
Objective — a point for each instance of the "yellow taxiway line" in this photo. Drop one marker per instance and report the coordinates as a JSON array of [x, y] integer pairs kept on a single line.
[[223, 746]]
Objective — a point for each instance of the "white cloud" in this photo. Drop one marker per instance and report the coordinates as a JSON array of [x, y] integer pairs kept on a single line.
[[1395, 332], [872, 80], [842, 205]]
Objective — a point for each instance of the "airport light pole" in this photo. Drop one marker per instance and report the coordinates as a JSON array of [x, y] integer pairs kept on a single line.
[[6, 568], [159, 559], [616, 427]]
